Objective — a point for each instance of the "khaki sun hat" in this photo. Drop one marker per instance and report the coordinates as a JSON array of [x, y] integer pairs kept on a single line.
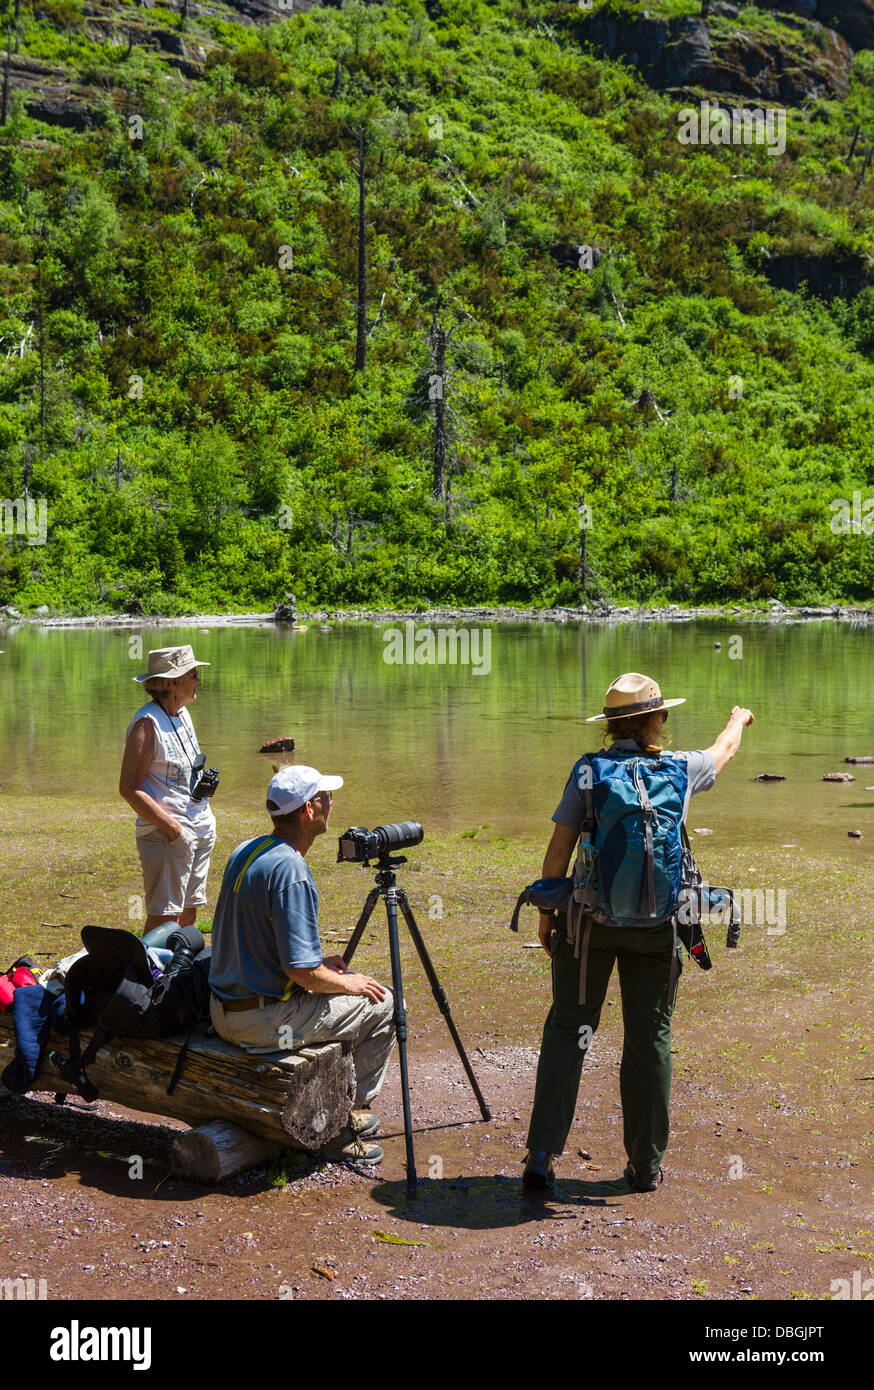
[[170, 662], [633, 694]]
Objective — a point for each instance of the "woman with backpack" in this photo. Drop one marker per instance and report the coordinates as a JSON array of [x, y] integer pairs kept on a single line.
[[632, 802]]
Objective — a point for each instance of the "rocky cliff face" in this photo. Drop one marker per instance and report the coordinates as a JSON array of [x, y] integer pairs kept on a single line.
[[676, 54], [56, 94], [852, 19]]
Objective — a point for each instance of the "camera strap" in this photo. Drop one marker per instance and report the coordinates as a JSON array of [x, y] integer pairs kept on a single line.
[[176, 734]]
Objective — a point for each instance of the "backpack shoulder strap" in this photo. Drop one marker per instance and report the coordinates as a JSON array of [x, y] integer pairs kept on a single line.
[[264, 843]]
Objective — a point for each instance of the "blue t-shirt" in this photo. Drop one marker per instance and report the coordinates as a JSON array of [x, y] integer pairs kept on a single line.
[[266, 921]]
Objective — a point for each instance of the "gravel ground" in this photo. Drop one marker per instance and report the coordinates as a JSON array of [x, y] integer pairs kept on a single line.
[[799, 1217]]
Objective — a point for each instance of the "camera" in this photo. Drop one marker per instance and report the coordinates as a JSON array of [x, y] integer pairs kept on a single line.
[[203, 780], [186, 943], [359, 846]]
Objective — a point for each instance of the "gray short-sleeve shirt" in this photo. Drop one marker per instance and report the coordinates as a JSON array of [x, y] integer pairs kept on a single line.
[[576, 802]]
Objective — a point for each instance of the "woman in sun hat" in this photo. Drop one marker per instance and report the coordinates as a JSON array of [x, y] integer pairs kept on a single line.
[[634, 713], [161, 768]]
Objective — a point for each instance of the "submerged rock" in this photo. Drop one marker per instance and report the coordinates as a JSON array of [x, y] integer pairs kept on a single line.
[[838, 777]]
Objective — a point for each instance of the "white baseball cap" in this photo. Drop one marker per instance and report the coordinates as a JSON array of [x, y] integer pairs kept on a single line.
[[293, 786]]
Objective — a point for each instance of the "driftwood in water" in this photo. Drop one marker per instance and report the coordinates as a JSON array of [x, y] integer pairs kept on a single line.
[[770, 777], [298, 1100], [859, 760]]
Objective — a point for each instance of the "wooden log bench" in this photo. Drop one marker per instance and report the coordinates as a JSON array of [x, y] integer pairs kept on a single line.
[[244, 1108]]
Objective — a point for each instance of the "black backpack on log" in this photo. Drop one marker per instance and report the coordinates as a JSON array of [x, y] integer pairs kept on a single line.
[[113, 990]]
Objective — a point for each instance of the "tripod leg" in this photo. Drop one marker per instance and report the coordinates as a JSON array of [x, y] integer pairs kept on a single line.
[[356, 936], [400, 1020], [440, 996]]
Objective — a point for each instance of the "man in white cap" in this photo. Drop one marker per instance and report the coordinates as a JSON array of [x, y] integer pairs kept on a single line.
[[160, 770], [271, 986]]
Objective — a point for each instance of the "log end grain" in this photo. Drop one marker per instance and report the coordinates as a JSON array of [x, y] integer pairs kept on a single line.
[[218, 1150], [320, 1097]]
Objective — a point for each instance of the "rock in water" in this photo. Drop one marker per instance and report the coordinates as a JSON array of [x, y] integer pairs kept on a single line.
[[279, 751], [838, 777], [855, 834], [770, 777], [286, 612], [277, 745]]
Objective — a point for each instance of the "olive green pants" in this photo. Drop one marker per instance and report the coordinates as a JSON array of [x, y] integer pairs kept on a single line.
[[643, 955]]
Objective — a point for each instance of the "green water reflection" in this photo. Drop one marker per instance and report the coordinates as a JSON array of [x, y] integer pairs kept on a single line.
[[450, 747]]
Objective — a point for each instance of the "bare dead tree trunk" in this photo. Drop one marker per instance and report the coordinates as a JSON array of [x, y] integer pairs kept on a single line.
[[118, 470], [438, 338], [361, 334], [856, 134], [42, 346], [674, 492], [583, 575], [28, 468], [336, 87], [5, 103]]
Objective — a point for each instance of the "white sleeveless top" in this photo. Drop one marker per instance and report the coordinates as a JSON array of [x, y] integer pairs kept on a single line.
[[168, 779]]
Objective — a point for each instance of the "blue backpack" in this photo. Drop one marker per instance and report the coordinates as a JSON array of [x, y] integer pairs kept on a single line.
[[631, 865]]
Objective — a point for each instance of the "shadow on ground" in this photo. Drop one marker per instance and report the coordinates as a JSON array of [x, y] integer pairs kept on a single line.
[[483, 1203]]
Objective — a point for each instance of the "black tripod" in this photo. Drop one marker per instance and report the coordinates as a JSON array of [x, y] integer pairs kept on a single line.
[[387, 888]]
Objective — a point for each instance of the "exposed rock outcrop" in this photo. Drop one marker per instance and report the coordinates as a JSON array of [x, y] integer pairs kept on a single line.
[[52, 97], [676, 54], [852, 19], [825, 276]]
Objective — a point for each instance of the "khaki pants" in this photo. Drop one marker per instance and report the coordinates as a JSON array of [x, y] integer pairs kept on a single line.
[[318, 1018]]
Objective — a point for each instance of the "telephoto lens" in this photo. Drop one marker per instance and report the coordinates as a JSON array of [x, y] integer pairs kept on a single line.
[[398, 835], [358, 845], [186, 943]]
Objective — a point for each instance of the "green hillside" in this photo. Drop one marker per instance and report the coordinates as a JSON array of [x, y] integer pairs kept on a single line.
[[183, 386]]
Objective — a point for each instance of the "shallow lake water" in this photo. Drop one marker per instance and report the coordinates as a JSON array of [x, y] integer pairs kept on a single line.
[[451, 745]]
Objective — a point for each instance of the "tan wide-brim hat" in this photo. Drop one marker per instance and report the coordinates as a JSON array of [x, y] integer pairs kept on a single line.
[[633, 694], [170, 662]]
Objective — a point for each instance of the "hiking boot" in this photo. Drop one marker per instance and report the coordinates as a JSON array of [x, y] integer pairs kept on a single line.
[[349, 1147], [363, 1122], [638, 1183], [539, 1175]]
